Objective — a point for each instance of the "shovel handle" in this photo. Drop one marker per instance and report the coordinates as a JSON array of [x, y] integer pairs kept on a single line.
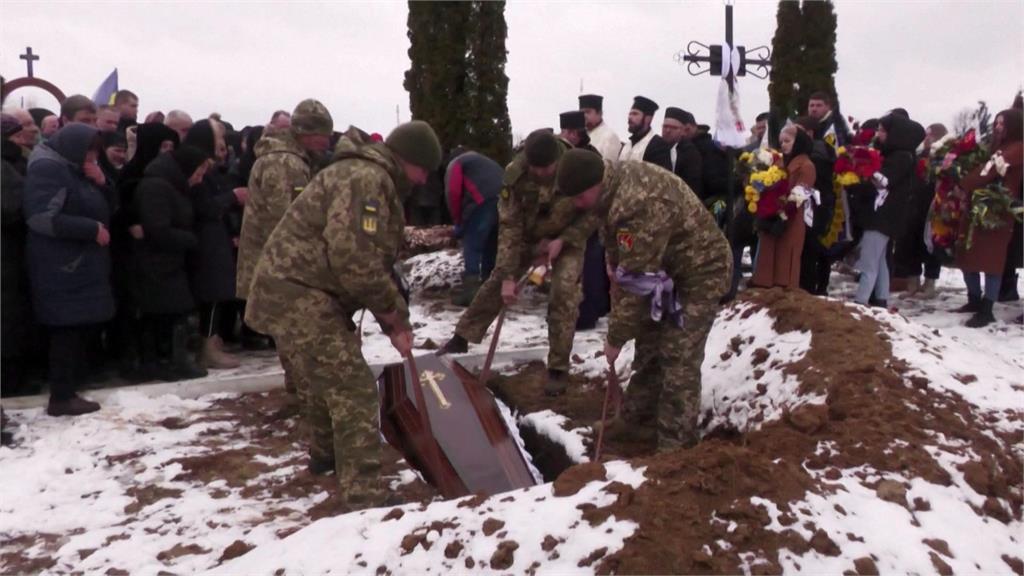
[[485, 373]]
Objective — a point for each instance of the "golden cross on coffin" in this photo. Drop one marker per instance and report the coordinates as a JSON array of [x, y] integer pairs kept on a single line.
[[432, 379]]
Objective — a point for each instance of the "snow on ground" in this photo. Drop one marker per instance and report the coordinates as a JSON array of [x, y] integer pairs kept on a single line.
[[741, 346], [446, 535], [111, 487], [73, 476], [554, 427]]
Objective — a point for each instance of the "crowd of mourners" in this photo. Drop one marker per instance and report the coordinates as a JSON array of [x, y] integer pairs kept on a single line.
[[121, 238]]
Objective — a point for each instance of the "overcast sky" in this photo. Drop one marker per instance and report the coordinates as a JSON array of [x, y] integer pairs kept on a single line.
[[245, 60]]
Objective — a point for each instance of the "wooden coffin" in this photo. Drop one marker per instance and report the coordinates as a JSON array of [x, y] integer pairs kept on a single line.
[[461, 444]]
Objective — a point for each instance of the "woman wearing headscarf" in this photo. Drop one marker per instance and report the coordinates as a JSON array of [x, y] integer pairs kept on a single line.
[[164, 205], [884, 213], [152, 139], [213, 270], [989, 248], [778, 256], [68, 256]]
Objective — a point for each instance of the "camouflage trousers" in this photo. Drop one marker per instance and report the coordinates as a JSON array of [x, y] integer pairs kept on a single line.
[[338, 394], [563, 305], [665, 388]]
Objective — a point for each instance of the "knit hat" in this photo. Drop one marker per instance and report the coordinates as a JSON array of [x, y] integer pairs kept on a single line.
[[189, 158], [10, 125], [542, 148], [573, 120], [578, 171], [416, 143], [591, 101], [312, 117]]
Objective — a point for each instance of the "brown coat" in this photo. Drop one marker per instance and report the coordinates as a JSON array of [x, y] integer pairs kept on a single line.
[[778, 258], [989, 247]]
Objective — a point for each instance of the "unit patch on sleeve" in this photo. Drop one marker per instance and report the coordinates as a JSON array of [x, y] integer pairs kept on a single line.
[[624, 238], [370, 216]]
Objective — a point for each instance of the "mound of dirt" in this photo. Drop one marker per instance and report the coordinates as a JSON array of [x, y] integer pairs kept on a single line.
[[718, 507]]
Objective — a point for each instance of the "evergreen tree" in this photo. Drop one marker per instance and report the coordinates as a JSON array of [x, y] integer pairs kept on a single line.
[[787, 62], [491, 129], [457, 80], [819, 66]]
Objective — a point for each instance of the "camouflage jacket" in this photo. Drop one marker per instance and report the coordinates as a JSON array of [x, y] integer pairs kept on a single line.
[[529, 212], [282, 170], [652, 221], [337, 242]]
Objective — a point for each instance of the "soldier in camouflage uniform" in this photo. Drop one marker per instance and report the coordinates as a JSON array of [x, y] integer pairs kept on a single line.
[[285, 162], [331, 255], [670, 265], [536, 224]]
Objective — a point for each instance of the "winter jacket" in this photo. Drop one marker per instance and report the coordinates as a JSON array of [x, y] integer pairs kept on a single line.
[[213, 264], [714, 168], [689, 166], [69, 271], [989, 248], [164, 207], [14, 288], [470, 180], [899, 168], [280, 173]]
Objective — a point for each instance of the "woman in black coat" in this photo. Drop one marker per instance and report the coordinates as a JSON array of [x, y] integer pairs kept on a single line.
[[883, 214], [164, 205], [68, 256], [152, 140], [213, 268]]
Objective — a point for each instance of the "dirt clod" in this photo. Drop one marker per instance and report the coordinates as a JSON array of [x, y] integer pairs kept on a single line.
[[504, 556]]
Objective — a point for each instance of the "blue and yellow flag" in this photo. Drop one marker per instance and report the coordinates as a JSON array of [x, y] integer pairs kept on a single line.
[[105, 93]]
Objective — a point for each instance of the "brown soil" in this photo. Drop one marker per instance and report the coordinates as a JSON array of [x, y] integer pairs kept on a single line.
[[266, 426], [850, 360]]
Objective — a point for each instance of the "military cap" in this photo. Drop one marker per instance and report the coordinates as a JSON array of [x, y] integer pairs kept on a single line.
[[572, 120], [591, 101], [680, 115], [312, 117], [416, 143], [542, 148], [645, 105], [579, 170]]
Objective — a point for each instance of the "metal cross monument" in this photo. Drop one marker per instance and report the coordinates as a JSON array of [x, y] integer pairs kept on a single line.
[[29, 57], [758, 58]]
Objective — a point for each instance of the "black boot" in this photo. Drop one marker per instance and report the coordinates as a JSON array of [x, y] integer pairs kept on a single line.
[[73, 406], [183, 363], [1008, 289], [558, 381], [983, 317], [457, 345], [973, 305]]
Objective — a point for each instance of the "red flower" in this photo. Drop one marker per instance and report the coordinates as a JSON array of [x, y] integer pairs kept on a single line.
[[922, 169], [966, 144], [773, 200]]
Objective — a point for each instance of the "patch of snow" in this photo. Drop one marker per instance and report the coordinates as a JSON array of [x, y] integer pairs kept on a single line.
[[363, 541], [513, 428], [730, 392], [553, 427]]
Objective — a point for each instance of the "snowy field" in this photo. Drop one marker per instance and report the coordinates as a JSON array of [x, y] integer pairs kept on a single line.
[[113, 492]]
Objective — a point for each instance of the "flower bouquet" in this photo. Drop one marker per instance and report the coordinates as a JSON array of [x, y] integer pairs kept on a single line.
[[854, 165], [949, 163], [992, 208]]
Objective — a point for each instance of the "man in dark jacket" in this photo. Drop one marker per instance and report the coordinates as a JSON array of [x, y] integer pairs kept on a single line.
[[831, 126], [69, 262], [14, 306], [164, 207], [686, 159], [884, 213]]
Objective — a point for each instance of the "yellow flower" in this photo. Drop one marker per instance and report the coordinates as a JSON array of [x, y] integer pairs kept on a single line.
[[752, 207], [848, 179], [841, 150], [746, 157]]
